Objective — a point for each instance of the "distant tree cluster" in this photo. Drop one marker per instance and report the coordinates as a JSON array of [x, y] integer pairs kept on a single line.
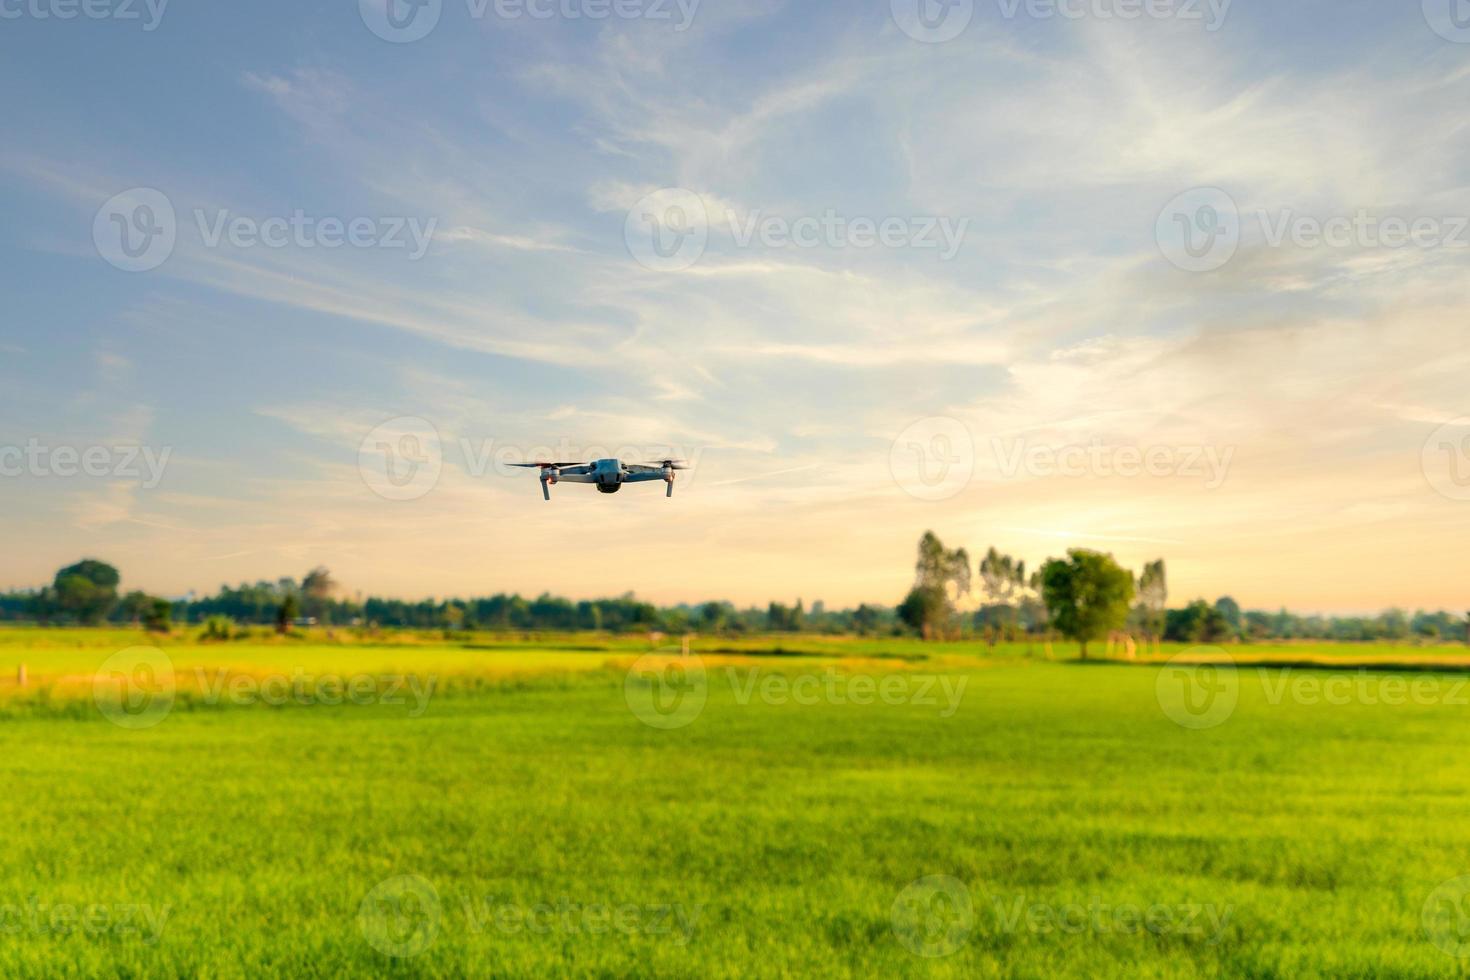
[[1083, 596], [1393, 625], [1087, 596]]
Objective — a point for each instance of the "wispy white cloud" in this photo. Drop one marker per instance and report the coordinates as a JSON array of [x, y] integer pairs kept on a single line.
[[481, 237]]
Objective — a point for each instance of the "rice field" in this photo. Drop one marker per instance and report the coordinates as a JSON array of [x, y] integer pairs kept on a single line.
[[482, 806]]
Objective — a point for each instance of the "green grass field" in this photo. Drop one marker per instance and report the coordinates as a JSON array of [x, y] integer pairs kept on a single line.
[[844, 810]]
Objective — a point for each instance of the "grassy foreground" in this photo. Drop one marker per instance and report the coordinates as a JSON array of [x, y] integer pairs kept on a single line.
[[996, 817]]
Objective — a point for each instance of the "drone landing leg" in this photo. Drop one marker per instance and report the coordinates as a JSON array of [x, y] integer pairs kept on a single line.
[[546, 489], [671, 489]]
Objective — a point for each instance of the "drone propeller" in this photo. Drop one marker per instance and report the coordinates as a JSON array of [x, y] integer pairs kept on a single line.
[[673, 464], [544, 466]]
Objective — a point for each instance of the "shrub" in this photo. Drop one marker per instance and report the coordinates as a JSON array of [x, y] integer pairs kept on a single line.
[[218, 628]]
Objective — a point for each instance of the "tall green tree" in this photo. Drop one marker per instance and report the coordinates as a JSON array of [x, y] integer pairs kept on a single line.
[[1087, 595], [941, 580], [1229, 609], [316, 592], [1153, 596], [1003, 578], [1031, 611], [938, 567], [289, 610]]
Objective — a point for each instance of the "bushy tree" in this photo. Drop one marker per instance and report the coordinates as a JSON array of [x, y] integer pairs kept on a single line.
[[134, 606], [924, 609], [785, 619], [86, 590], [712, 616], [1087, 595], [865, 619], [158, 617], [1395, 624], [1199, 622]]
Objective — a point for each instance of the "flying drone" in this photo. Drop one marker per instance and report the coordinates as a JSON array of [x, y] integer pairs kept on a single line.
[[608, 475]]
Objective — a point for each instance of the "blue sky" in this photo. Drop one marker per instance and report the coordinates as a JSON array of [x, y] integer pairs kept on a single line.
[[792, 376]]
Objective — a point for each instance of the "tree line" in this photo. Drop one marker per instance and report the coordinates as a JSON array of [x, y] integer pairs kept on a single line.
[[87, 594], [1086, 596]]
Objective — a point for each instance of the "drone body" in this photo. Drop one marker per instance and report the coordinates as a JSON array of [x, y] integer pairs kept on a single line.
[[608, 475]]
